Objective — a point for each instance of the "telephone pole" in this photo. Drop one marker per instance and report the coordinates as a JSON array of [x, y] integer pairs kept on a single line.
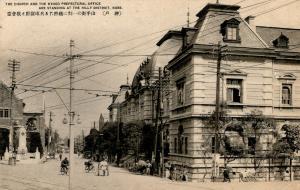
[[71, 113], [13, 66], [50, 131], [157, 115], [217, 109]]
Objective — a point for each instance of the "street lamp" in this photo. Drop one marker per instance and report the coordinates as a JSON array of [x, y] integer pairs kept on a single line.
[[71, 122], [71, 141]]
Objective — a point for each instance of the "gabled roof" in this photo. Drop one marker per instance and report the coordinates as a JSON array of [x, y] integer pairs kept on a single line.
[[269, 34]]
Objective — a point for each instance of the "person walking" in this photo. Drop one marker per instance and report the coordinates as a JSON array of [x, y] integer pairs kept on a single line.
[[60, 156], [172, 172], [226, 174], [148, 167]]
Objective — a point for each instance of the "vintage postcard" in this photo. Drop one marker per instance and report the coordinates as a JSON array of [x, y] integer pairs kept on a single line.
[[149, 94]]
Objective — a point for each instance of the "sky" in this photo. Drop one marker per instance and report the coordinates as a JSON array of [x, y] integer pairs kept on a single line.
[[136, 31]]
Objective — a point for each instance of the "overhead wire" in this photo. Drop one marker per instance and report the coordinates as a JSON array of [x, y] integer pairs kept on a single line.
[[276, 8], [100, 73]]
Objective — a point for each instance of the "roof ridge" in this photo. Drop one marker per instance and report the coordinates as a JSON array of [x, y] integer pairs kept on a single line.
[[255, 33], [278, 27]]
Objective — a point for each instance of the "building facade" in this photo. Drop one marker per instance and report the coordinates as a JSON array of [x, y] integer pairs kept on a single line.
[[259, 73], [258, 79], [34, 123]]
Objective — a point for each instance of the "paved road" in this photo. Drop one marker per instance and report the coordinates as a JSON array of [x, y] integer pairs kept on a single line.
[[46, 177]]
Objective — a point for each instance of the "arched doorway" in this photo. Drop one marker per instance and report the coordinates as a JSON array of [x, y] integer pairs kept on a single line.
[[33, 136], [4, 141]]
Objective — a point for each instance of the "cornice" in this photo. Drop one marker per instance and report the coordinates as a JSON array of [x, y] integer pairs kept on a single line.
[[203, 49]]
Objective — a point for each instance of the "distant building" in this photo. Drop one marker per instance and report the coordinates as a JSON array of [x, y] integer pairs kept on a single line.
[[101, 122]]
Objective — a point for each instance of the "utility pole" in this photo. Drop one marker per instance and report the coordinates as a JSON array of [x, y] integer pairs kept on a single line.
[[71, 113], [118, 134], [49, 131], [157, 116], [217, 109], [13, 66]]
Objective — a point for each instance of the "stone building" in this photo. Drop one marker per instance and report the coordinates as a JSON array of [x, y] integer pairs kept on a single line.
[[5, 115], [33, 122], [137, 103], [139, 100], [259, 78], [259, 73]]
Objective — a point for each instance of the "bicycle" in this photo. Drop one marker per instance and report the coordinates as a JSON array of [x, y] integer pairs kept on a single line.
[[88, 167], [248, 177], [64, 170]]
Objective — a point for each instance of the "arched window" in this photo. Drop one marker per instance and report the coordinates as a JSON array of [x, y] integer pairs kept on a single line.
[[31, 125]]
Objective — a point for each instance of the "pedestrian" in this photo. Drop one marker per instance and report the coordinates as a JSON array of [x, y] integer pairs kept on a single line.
[[167, 170], [106, 168], [172, 172], [286, 175], [152, 168], [148, 167], [226, 174], [185, 174], [60, 156]]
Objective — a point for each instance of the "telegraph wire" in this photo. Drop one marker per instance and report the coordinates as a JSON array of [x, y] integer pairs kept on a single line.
[[276, 8], [43, 71], [60, 106], [259, 3], [108, 69], [113, 68], [149, 34], [39, 69], [197, 20], [61, 88]]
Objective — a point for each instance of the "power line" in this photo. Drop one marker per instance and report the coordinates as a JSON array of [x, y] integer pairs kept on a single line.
[[259, 3], [78, 103], [276, 8], [44, 66], [61, 88], [110, 69], [43, 71], [105, 46]]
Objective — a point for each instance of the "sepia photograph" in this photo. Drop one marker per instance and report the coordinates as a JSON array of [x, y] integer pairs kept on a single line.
[[149, 94]]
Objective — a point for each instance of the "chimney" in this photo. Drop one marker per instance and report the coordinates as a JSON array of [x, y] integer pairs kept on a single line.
[[251, 21]]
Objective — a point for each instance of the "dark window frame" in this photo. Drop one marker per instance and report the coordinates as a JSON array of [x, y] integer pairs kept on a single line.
[[226, 26], [286, 99], [180, 91], [251, 145], [213, 145], [234, 90], [186, 145]]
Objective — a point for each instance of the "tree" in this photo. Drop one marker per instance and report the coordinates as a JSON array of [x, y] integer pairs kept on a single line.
[[236, 132], [258, 124], [289, 143]]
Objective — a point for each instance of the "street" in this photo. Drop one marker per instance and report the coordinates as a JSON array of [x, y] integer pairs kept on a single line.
[[47, 177]]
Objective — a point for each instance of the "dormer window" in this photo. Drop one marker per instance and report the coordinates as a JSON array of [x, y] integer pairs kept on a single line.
[[230, 30], [281, 42]]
